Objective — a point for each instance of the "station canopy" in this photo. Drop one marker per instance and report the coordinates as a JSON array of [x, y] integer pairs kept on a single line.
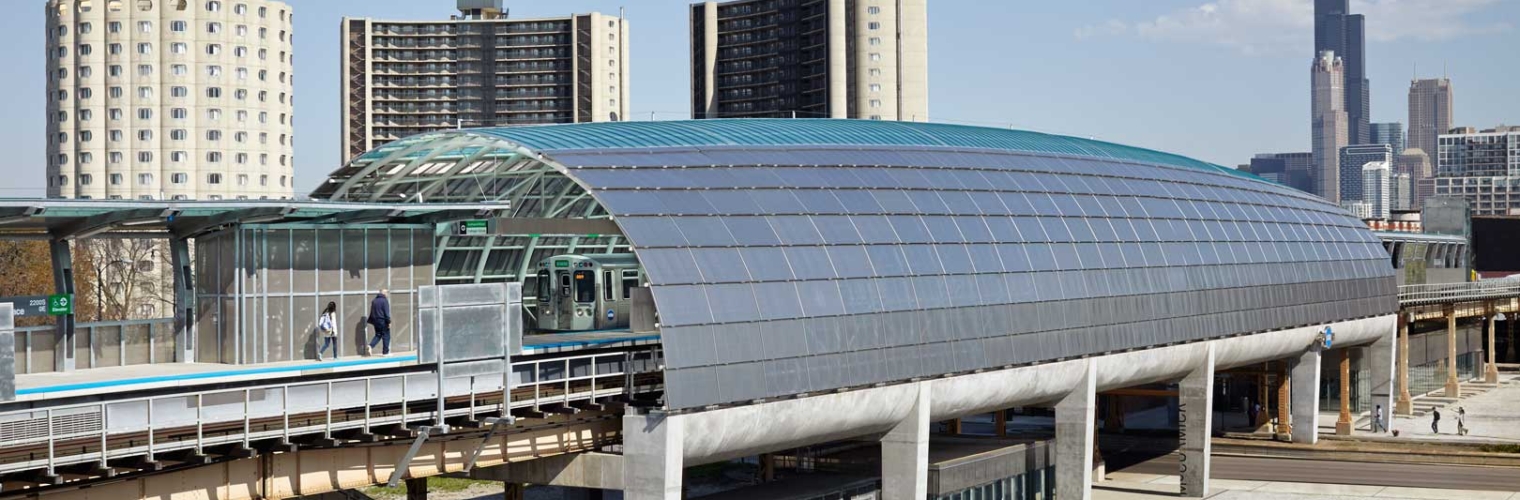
[[59, 218], [796, 256]]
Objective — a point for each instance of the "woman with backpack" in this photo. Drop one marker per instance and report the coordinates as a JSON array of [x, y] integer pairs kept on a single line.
[[327, 327]]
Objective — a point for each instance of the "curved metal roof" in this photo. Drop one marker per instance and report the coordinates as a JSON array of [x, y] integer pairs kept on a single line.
[[792, 256]]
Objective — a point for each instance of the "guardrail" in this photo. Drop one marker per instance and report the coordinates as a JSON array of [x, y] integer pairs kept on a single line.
[[1445, 293], [103, 431], [105, 343]]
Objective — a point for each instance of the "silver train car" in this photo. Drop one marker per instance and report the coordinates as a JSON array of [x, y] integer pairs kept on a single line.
[[586, 292]]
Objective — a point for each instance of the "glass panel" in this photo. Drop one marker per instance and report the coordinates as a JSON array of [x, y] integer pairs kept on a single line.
[[720, 265], [887, 260], [810, 263], [851, 261], [704, 231], [796, 230], [875, 229], [766, 263], [669, 266], [732, 303], [749, 231], [777, 300], [910, 229], [837, 230], [922, 260], [650, 231]]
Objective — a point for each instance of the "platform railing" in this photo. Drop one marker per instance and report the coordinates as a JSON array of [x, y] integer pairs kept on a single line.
[[105, 343], [1444, 293], [190, 422]]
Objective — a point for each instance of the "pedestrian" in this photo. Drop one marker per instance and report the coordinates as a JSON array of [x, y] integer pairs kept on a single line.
[[327, 326], [1435, 421], [1377, 420], [1254, 410], [380, 318], [1461, 421]]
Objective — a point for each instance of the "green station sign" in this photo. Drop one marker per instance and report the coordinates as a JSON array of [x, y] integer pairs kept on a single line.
[[60, 304], [478, 227]]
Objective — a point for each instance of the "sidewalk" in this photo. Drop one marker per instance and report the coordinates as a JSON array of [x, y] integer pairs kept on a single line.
[[1130, 486], [1493, 416]]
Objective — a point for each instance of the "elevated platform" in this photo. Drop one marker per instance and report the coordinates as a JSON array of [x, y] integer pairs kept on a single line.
[[156, 376]]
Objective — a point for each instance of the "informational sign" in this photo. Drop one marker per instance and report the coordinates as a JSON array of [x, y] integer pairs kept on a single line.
[[611, 315], [478, 227], [60, 304], [1329, 337], [32, 305]]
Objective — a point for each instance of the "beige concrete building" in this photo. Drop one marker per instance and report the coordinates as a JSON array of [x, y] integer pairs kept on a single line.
[[1430, 115], [479, 69], [866, 59], [170, 99], [1330, 124]]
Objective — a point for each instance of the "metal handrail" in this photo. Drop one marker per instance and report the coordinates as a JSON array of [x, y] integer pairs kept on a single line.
[[633, 362], [87, 331], [1441, 293]]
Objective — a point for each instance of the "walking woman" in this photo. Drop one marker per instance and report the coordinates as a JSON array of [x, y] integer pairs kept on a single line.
[[327, 326]]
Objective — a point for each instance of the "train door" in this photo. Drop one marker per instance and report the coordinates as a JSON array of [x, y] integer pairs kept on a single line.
[[585, 299], [548, 308]]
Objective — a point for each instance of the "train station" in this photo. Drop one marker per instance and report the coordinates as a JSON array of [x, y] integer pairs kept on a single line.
[[606, 305]]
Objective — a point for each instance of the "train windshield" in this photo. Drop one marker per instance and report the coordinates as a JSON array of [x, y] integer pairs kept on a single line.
[[585, 286], [545, 284]]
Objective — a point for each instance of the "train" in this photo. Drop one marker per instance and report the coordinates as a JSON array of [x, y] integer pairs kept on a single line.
[[586, 292]]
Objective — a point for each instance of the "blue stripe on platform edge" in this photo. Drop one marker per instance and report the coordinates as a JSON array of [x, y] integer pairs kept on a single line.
[[538, 347], [206, 375]]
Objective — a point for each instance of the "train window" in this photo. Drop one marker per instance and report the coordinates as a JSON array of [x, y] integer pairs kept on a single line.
[[607, 285], [544, 286], [585, 287], [630, 281]]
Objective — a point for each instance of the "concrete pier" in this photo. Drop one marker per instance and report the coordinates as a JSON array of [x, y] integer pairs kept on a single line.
[[1076, 414], [1305, 404], [1196, 415], [653, 458], [905, 453]]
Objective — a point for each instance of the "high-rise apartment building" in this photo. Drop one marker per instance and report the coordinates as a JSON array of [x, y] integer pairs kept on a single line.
[[864, 59], [170, 99], [1482, 167], [1329, 124], [1468, 152], [1416, 164], [1376, 189], [479, 69], [1337, 30], [1430, 113], [1353, 160], [1391, 133]]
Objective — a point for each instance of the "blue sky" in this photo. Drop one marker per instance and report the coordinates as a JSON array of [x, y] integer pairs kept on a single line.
[[1218, 81]]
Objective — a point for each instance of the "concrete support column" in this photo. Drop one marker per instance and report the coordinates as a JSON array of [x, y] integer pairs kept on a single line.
[[1305, 403], [710, 60], [1514, 317], [416, 488], [905, 453], [1380, 358], [653, 459], [1453, 387], [63, 283], [184, 299], [1076, 414], [1284, 402], [1491, 372], [514, 491], [839, 39], [767, 467], [1194, 437], [1343, 421], [1405, 404]]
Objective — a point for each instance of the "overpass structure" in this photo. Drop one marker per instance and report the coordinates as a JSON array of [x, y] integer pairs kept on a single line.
[[812, 281]]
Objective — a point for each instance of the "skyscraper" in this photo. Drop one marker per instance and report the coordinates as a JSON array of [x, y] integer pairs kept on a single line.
[[1353, 159], [170, 100], [1391, 133], [1430, 106], [1375, 189], [1336, 29], [810, 59], [479, 69], [1329, 124]]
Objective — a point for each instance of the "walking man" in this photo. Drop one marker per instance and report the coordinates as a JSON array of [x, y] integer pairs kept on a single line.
[[1461, 421], [380, 318], [1377, 420], [1435, 421]]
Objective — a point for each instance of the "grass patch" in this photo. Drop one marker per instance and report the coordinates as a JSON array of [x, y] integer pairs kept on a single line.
[[435, 483], [1500, 448]]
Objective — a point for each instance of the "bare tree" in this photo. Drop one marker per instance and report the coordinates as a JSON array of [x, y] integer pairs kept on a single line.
[[27, 269], [130, 278]]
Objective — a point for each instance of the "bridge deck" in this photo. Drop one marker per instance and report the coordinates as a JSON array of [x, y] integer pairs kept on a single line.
[[155, 376]]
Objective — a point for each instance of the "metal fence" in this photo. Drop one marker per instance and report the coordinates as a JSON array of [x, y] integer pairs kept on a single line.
[[99, 344], [1417, 295]]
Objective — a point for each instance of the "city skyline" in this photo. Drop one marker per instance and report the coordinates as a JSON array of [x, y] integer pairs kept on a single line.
[[1080, 72]]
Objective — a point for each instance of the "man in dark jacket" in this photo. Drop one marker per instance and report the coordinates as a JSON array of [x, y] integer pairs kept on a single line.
[[380, 318]]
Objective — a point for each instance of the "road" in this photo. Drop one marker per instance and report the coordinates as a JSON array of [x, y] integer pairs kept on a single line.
[[1361, 473]]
